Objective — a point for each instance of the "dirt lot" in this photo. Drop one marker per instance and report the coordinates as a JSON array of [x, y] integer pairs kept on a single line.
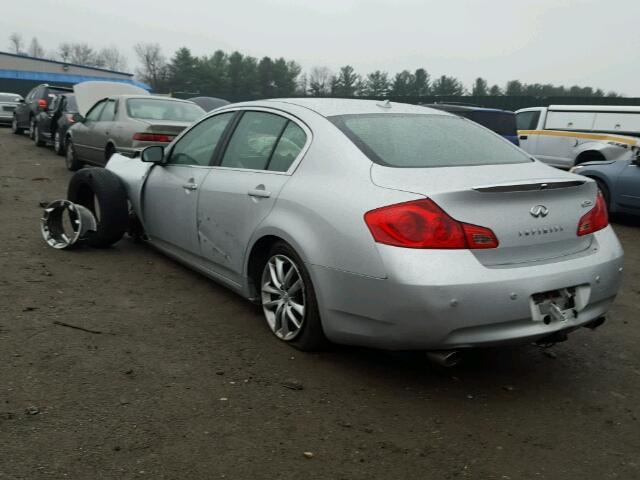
[[184, 381]]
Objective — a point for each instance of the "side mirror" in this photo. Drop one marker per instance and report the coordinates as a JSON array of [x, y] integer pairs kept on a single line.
[[152, 154]]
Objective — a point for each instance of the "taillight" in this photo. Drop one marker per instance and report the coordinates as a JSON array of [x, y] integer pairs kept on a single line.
[[152, 137], [423, 224], [595, 219], [42, 103]]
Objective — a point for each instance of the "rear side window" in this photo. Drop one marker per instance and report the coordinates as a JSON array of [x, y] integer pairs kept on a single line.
[[289, 147], [254, 141], [108, 112], [528, 120], [422, 141]]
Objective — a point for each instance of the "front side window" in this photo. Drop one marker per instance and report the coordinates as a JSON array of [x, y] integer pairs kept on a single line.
[[163, 109], [109, 111], [424, 140], [94, 113], [196, 147]]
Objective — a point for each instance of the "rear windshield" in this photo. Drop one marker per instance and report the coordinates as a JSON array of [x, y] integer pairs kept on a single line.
[[503, 123], [159, 109], [9, 97], [419, 141]]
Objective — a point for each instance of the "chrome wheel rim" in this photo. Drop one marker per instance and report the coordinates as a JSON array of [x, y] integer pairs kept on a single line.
[[283, 297], [56, 142]]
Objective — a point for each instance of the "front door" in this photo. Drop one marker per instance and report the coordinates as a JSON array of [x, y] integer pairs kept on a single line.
[[170, 194], [241, 191]]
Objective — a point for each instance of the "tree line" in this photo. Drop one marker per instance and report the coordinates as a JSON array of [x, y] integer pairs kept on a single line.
[[237, 75]]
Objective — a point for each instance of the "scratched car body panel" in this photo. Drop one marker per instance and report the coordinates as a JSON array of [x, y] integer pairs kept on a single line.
[[370, 291]]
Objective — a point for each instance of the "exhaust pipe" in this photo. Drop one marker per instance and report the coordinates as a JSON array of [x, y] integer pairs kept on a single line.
[[445, 358]]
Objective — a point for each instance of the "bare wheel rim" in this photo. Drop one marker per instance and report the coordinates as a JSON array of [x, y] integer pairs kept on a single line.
[[283, 297]]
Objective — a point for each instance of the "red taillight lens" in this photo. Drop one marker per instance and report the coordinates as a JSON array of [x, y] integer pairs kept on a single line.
[[423, 224], [42, 103], [595, 219], [152, 137]]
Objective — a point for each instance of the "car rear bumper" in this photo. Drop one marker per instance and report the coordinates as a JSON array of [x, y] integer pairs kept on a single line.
[[434, 299], [6, 117]]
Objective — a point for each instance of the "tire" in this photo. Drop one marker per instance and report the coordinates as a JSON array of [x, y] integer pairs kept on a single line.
[[14, 127], [58, 143], [32, 127], [102, 192], [37, 137], [70, 157], [108, 152], [279, 303]]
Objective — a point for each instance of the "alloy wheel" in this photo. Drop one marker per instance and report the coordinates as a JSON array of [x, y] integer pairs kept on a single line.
[[68, 158], [283, 297], [32, 128]]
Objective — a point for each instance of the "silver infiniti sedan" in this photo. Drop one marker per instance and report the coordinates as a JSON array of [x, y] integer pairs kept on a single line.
[[366, 223]]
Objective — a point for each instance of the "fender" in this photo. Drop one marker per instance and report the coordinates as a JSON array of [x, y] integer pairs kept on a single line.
[[133, 173], [609, 150]]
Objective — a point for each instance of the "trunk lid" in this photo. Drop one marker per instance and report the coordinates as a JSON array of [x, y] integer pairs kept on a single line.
[[168, 127], [533, 209]]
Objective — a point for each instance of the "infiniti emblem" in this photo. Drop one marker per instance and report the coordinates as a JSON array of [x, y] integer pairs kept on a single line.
[[539, 211]]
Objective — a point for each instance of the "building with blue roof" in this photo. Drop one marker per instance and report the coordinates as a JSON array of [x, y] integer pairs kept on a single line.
[[20, 73]]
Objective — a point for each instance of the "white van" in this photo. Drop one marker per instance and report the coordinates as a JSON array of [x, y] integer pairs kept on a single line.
[[567, 135]]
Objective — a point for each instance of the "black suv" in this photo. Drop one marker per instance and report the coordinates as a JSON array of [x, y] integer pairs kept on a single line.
[[35, 102], [51, 125]]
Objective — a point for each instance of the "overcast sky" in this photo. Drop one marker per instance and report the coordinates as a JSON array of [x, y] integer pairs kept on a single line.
[[584, 42]]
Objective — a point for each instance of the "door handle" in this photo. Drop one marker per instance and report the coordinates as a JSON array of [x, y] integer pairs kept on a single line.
[[190, 186], [260, 193], [523, 137]]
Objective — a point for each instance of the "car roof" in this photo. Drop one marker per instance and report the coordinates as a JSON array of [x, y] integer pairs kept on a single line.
[[152, 97], [448, 107], [328, 107]]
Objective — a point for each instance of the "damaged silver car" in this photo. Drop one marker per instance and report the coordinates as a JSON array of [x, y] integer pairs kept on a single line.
[[365, 223]]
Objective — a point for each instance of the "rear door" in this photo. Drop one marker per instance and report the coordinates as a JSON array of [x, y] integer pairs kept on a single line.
[[101, 131], [629, 187], [170, 195], [240, 192], [83, 132]]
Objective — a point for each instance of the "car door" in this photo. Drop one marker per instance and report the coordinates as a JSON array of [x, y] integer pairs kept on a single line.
[[241, 190], [527, 123], [24, 109], [628, 187], [101, 131], [83, 132], [170, 194], [48, 116]]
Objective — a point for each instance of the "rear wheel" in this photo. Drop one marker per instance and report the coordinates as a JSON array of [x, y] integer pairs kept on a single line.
[[37, 136], [288, 299], [109, 151], [102, 192], [14, 126], [70, 158], [58, 144], [32, 127]]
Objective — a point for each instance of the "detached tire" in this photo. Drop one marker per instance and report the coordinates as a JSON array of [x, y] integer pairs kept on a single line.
[[102, 192]]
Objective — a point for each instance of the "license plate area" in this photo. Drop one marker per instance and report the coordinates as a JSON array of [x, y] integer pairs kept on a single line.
[[555, 305]]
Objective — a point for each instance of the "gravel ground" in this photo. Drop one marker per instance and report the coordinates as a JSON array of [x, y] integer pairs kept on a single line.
[[177, 378]]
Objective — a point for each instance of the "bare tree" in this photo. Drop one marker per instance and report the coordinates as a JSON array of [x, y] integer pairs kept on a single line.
[[16, 43], [35, 49], [82, 54], [320, 81], [153, 66], [112, 58], [64, 51]]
